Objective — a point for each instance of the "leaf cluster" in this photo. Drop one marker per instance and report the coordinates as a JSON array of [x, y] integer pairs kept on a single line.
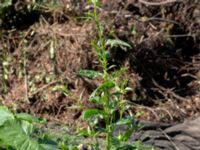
[[17, 132]]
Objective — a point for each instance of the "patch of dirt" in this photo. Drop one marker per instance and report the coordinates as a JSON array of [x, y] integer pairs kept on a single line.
[[164, 63]]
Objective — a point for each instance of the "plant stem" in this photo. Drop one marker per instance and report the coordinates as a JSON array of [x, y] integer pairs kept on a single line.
[[108, 130], [103, 59], [102, 44]]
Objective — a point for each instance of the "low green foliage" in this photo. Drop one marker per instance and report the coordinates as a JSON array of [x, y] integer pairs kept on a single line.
[[17, 131], [20, 132], [4, 4]]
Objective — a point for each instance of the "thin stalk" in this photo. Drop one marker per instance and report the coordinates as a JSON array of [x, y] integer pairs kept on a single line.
[[102, 50], [105, 76], [108, 130], [121, 100], [102, 44]]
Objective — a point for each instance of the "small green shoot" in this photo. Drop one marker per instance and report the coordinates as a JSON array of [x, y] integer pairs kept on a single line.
[[16, 131]]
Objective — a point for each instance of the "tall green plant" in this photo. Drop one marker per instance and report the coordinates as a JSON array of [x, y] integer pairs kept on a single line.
[[110, 93]]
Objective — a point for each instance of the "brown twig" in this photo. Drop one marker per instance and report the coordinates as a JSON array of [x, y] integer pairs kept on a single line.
[[148, 108], [158, 3], [169, 92], [165, 110], [163, 20], [175, 146]]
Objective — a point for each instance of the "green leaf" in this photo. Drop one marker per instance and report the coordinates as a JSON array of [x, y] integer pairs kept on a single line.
[[29, 118], [5, 115], [125, 121], [129, 89], [13, 135], [95, 2], [91, 112], [105, 85], [27, 127], [15, 131], [87, 132], [91, 74], [117, 94], [117, 42], [4, 4], [95, 99], [126, 147], [124, 135]]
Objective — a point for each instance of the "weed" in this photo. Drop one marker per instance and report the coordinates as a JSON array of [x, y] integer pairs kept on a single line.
[[16, 131], [110, 93], [20, 131]]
